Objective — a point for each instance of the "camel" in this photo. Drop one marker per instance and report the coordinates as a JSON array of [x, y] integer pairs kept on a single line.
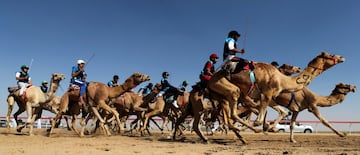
[[246, 112], [306, 99], [199, 105], [97, 95], [269, 83], [35, 100]]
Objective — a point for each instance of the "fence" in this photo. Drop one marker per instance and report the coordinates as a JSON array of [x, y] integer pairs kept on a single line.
[[344, 126]]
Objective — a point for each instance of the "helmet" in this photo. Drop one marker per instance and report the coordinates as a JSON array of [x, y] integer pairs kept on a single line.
[[150, 85], [165, 74], [44, 82], [214, 56], [24, 66], [80, 61], [185, 83], [233, 33], [115, 77]]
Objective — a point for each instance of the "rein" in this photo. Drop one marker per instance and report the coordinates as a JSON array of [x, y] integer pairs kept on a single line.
[[322, 69]]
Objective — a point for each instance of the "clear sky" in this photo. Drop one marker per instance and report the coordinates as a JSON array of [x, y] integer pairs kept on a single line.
[[177, 36]]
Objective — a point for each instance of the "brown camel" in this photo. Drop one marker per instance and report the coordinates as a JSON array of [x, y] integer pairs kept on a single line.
[[35, 100], [247, 111], [200, 106], [306, 99], [269, 83], [98, 96]]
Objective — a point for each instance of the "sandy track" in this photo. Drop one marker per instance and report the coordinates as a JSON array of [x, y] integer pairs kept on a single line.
[[66, 142]]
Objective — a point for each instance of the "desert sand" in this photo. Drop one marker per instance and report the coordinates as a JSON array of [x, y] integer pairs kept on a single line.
[[65, 142]]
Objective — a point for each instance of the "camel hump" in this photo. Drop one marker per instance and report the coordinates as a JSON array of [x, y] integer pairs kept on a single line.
[[13, 89]]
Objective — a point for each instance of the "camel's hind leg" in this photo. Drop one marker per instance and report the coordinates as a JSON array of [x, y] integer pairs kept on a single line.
[[10, 101]]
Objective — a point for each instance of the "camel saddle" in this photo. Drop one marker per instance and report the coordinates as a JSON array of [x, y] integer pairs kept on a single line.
[[235, 65]]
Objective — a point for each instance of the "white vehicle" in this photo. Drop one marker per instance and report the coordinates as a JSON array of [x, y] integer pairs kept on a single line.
[[285, 127]]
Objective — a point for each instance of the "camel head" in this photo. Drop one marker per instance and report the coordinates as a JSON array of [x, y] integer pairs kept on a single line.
[[325, 61], [289, 70], [56, 77], [136, 79], [342, 88]]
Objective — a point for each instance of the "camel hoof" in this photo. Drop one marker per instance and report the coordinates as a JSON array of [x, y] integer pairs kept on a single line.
[[343, 135], [18, 129], [293, 141], [245, 142], [258, 131]]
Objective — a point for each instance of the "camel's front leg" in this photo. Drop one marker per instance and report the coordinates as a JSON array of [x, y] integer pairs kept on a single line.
[[316, 112], [102, 121], [73, 125], [292, 124], [106, 107], [53, 122], [31, 124], [264, 102]]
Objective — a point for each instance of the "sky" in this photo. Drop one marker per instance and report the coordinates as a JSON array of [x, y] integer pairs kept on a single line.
[[126, 36]]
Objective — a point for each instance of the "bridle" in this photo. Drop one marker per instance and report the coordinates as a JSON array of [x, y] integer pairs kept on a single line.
[[333, 58]]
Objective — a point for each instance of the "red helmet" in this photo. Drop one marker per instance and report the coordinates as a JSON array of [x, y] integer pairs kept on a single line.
[[214, 56]]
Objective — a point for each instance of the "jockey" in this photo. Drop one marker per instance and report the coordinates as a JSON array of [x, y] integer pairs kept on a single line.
[[230, 49], [146, 90], [208, 70], [114, 82], [44, 87], [169, 91], [183, 85], [78, 76], [23, 78]]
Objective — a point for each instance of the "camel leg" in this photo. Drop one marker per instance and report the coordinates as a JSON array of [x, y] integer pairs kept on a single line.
[[10, 101], [179, 121], [31, 124], [29, 114], [264, 102], [102, 121], [17, 113], [106, 107], [53, 122], [292, 124], [282, 114], [147, 117], [73, 125], [196, 126], [316, 112]]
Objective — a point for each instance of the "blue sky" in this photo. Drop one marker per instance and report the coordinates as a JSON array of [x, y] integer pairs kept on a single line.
[[177, 36]]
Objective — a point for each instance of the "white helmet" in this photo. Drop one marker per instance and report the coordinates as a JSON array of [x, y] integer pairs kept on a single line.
[[80, 61]]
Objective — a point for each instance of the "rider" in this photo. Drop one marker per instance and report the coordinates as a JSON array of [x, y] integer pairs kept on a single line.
[[230, 49], [169, 91], [23, 79], [183, 85], [208, 71], [78, 76], [146, 90], [114, 82], [44, 87]]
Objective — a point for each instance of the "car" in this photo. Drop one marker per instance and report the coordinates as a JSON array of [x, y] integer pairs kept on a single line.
[[301, 128]]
